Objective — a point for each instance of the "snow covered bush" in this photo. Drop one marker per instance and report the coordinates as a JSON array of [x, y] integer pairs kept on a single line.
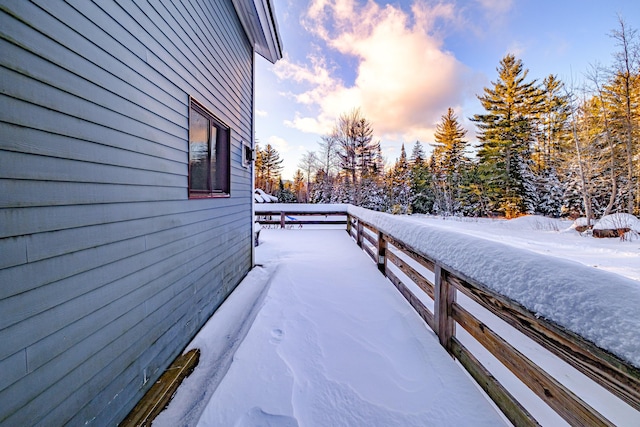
[[617, 225]]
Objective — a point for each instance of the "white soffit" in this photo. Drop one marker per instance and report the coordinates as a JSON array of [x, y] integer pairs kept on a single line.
[[259, 21]]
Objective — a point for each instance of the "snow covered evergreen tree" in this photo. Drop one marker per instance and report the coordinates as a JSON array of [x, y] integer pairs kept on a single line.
[[285, 193], [506, 131], [399, 185], [449, 161], [321, 188], [422, 197]]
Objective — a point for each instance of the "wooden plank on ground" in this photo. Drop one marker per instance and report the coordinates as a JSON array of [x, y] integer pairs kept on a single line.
[[160, 394]]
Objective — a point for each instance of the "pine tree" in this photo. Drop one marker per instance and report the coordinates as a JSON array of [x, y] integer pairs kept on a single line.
[[268, 168], [449, 137], [550, 148], [420, 178], [285, 193], [474, 195], [450, 159], [506, 132], [299, 187], [322, 188], [552, 137], [417, 154], [259, 181], [399, 185]]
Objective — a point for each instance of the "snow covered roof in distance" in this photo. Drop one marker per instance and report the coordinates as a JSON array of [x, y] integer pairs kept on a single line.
[[600, 306], [261, 197]]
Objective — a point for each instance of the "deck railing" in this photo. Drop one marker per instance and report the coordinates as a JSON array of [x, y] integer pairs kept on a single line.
[[283, 218], [615, 375]]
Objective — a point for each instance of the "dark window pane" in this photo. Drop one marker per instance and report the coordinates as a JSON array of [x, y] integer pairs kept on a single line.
[[198, 151]]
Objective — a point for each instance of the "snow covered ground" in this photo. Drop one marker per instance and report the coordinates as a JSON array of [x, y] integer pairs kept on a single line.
[[548, 236], [333, 344], [318, 337]]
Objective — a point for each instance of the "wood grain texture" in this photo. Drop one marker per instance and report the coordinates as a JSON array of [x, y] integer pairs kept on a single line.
[[615, 375], [417, 305], [569, 406], [445, 297], [509, 406], [420, 259], [412, 273]]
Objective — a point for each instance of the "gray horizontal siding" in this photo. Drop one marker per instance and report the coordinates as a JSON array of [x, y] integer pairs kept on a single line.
[[142, 328], [108, 269], [22, 221]]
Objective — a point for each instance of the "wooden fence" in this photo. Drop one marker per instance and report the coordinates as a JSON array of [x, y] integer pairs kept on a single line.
[[618, 377], [284, 219]]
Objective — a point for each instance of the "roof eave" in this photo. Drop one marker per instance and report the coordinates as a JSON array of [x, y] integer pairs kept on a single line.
[[259, 21]]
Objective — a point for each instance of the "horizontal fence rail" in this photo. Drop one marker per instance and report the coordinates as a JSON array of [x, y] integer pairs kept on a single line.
[[605, 369], [284, 218], [615, 375]]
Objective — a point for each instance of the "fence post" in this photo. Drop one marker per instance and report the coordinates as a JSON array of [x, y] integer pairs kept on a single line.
[[359, 235], [282, 219], [382, 253], [445, 296], [349, 225]]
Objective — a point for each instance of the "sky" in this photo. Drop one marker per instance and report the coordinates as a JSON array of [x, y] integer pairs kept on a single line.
[[404, 62]]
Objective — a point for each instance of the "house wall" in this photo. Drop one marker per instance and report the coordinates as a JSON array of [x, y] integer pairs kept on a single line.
[[107, 270]]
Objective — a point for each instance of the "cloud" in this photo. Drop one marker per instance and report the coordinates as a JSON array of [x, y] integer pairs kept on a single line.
[[516, 48], [261, 113], [494, 14], [404, 78], [319, 125], [496, 6], [279, 144]]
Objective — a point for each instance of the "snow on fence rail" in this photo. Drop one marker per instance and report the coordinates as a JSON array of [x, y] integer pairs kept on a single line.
[[288, 214], [587, 318]]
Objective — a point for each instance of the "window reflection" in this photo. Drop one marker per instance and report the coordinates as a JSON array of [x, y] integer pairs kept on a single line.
[[198, 151]]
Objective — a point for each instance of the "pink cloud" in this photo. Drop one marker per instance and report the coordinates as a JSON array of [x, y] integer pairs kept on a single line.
[[404, 81]]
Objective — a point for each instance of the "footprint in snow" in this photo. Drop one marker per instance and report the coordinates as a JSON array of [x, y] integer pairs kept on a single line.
[[276, 336]]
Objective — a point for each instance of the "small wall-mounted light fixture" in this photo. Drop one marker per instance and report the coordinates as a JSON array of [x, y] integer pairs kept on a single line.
[[248, 154]]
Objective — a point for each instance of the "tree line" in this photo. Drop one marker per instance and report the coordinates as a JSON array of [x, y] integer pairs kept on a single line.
[[544, 147]]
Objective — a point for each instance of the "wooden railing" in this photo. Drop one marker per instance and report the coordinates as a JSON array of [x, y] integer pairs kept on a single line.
[[615, 375], [618, 377], [297, 218]]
